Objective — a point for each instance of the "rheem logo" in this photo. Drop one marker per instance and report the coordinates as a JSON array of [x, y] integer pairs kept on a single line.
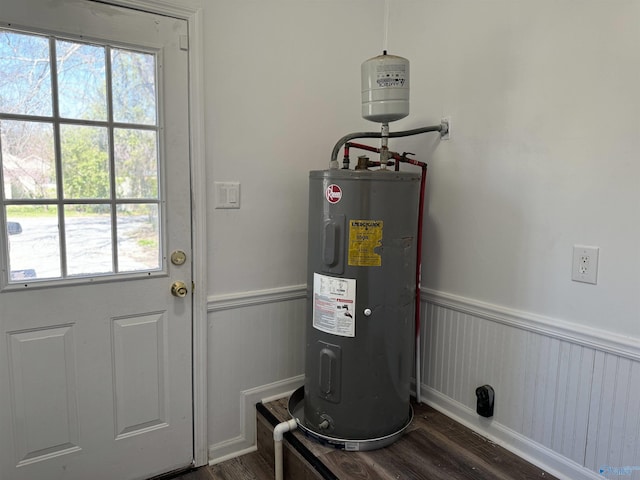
[[333, 193]]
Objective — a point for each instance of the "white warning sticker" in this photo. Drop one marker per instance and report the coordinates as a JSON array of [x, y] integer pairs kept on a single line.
[[334, 302]]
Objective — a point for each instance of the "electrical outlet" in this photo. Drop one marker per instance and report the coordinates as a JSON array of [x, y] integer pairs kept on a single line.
[[585, 264]]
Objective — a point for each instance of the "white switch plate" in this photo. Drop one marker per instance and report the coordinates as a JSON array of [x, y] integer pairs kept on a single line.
[[227, 194], [585, 264]]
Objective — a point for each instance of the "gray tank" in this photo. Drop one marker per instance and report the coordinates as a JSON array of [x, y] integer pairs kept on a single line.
[[361, 278]]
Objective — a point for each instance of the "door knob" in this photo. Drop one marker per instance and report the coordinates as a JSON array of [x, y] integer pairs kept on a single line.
[[179, 289]]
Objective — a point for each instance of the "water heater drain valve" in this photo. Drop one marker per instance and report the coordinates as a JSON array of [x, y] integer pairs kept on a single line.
[[326, 424]]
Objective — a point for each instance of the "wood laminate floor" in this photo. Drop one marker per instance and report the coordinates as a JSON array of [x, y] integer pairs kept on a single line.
[[434, 447]]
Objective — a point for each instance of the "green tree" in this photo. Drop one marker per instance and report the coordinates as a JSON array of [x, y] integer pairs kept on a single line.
[[136, 163], [85, 163]]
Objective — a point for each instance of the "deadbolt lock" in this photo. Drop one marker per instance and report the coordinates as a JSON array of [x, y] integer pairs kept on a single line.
[[179, 289], [178, 257]]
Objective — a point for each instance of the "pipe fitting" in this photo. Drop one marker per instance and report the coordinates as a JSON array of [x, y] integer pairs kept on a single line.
[[444, 128], [363, 163], [282, 428]]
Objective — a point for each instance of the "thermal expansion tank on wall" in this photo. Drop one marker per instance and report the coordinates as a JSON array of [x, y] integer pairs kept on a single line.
[[361, 277]]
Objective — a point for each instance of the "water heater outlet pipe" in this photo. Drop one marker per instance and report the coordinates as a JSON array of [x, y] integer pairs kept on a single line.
[[418, 321], [278, 434]]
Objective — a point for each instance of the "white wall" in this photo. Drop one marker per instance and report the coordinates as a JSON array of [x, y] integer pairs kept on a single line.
[[546, 129], [545, 111], [545, 106], [283, 88], [283, 85]]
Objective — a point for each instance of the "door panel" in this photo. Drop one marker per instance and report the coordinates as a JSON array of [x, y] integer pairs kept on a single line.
[[43, 361], [139, 352], [95, 371]]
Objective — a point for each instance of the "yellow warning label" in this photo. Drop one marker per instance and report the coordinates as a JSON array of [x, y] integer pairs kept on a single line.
[[364, 237]]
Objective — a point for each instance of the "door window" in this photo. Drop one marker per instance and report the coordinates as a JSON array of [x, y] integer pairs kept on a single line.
[[80, 156]]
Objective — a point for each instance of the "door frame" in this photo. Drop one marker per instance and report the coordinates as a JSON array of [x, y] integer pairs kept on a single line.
[[191, 11]]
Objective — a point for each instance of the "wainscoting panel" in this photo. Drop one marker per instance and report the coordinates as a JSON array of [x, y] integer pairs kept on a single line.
[[256, 349], [561, 400], [615, 416], [567, 397]]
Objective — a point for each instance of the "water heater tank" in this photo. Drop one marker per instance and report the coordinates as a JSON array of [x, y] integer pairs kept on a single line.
[[361, 277], [385, 88]]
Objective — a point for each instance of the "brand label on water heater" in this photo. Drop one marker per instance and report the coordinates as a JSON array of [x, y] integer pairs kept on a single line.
[[334, 305], [333, 194], [365, 236]]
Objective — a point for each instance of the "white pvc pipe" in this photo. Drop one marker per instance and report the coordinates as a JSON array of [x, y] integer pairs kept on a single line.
[[278, 433]]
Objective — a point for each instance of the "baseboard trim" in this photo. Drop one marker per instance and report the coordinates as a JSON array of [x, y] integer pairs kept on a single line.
[[246, 441], [233, 454], [597, 339], [216, 303], [524, 447]]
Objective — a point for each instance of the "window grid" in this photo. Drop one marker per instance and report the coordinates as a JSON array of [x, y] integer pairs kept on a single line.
[[113, 201]]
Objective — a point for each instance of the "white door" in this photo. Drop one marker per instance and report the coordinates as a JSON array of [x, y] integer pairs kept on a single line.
[[95, 350]]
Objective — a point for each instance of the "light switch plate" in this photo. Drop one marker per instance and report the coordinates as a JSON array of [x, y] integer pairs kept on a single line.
[[227, 194]]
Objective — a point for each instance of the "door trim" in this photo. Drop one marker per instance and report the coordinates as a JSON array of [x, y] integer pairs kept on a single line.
[[191, 11]]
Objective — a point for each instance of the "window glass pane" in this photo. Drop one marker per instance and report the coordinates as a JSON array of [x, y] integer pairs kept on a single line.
[[49, 164], [136, 163], [81, 81], [25, 74], [34, 242], [85, 161], [88, 239], [28, 159], [134, 87], [138, 237]]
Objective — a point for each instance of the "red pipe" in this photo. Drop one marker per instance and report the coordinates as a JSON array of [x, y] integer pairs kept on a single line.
[[362, 146], [423, 184], [405, 159]]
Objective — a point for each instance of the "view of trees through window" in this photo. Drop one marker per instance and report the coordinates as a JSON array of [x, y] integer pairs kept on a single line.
[[79, 156]]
